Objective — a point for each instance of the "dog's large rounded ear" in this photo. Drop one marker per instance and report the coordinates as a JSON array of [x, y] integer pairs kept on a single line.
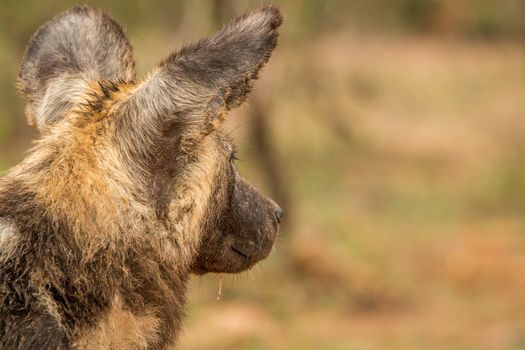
[[64, 55], [191, 90]]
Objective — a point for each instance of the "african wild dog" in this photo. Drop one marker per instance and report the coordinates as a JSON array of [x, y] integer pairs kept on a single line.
[[131, 186]]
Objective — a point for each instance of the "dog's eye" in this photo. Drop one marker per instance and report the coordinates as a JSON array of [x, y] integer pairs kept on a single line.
[[233, 156]]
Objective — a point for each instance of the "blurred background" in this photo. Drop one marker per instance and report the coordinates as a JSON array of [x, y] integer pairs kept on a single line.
[[393, 134]]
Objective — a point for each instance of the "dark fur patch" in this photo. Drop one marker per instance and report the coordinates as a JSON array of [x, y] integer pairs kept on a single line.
[[48, 266], [43, 248]]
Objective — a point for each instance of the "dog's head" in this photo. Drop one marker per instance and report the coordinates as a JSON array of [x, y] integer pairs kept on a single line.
[[78, 73]]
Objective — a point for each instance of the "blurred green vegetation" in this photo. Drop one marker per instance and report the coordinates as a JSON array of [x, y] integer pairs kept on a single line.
[[397, 132]]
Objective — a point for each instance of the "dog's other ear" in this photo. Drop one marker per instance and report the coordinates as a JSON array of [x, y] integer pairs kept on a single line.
[[64, 55], [191, 90]]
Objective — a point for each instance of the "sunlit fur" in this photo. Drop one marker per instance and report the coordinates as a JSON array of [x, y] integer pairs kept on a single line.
[[131, 186]]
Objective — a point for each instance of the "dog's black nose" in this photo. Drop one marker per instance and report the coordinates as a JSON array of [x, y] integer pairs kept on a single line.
[[279, 214]]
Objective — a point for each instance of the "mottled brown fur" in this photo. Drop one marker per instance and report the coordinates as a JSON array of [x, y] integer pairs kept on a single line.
[[131, 186]]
